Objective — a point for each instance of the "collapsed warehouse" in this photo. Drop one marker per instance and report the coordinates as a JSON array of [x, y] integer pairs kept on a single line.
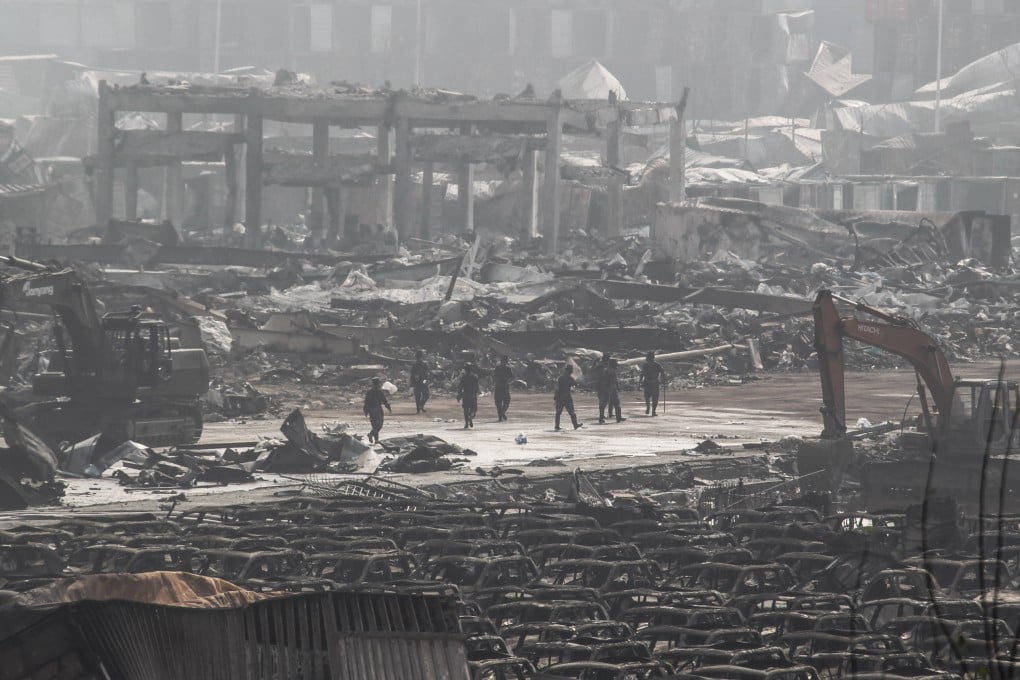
[[282, 244]]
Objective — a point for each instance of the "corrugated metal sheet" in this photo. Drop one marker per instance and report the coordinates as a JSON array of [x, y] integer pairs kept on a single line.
[[314, 636]]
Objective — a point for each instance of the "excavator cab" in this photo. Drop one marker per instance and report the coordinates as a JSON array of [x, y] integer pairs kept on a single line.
[[136, 353], [984, 417]]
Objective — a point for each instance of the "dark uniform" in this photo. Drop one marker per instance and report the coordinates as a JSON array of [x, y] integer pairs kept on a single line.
[[467, 395], [652, 375], [375, 400], [614, 391], [501, 378], [420, 383], [604, 386], [564, 399]]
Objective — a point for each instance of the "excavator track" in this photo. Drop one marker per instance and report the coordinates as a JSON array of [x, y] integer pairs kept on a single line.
[[157, 423]]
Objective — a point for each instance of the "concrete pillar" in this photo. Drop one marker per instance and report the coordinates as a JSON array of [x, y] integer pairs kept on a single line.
[[678, 153], [334, 217], [131, 190], [529, 196], [465, 198], [341, 212], [253, 182], [551, 193], [614, 216], [384, 183], [241, 168], [103, 173], [403, 189], [230, 177], [320, 153], [426, 201], [174, 179]]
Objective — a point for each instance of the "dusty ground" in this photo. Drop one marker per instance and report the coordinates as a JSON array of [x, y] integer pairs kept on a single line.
[[770, 408]]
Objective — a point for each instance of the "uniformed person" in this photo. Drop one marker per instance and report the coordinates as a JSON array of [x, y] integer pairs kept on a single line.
[[614, 391], [652, 376], [501, 379], [420, 381], [603, 386], [467, 394], [563, 398], [375, 400]]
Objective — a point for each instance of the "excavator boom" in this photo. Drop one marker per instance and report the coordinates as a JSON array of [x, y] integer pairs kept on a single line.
[[892, 334], [67, 294]]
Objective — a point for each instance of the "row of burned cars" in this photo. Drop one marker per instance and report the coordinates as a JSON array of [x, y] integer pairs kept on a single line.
[[556, 591]]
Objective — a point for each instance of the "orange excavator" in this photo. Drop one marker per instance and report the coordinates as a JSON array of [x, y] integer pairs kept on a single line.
[[967, 429]]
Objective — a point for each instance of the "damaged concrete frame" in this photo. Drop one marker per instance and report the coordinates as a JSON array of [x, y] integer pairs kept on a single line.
[[538, 124]]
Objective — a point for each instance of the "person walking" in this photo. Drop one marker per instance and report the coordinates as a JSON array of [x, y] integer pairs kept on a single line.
[[375, 400], [564, 399], [603, 386], [652, 376], [467, 395], [420, 381], [614, 391], [501, 378]]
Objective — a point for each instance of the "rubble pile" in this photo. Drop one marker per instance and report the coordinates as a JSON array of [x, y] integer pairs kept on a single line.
[[342, 324]]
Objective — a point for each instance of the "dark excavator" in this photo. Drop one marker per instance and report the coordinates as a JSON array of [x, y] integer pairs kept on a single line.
[[118, 374], [967, 428]]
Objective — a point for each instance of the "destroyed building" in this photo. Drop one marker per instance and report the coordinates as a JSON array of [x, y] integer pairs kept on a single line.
[[222, 223]]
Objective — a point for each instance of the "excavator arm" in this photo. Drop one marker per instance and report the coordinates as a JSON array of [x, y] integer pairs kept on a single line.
[[887, 332], [64, 291]]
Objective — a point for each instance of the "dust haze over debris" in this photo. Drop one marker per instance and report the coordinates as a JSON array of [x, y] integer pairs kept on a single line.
[[292, 295]]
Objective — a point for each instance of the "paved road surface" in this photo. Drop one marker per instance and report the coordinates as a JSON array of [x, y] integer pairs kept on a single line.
[[773, 407]]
